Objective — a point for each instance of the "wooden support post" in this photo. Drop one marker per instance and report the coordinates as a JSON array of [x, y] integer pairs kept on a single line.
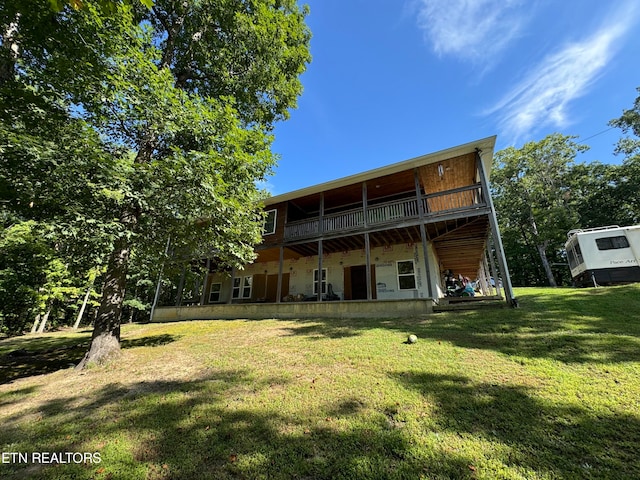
[[181, 287], [367, 248], [416, 179], [320, 252], [495, 232], [492, 270], [233, 279], [280, 266], [157, 295], [425, 252], [365, 205], [205, 281], [423, 232], [485, 281], [319, 270]]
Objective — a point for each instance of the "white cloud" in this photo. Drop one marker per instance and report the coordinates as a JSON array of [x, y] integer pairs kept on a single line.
[[476, 30], [267, 186], [543, 96]]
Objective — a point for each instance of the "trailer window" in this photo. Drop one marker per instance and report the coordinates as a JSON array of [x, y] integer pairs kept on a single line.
[[572, 258], [612, 243], [579, 258]]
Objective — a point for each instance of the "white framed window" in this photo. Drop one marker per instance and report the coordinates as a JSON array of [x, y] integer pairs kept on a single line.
[[247, 284], [406, 275], [214, 292], [235, 291], [270, 222], [242, 287], [323, 281]]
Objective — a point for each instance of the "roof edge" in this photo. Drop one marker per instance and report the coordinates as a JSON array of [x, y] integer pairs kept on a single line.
[[486, 145]]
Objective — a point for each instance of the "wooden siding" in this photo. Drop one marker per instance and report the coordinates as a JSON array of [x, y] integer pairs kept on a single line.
[[450, 174]]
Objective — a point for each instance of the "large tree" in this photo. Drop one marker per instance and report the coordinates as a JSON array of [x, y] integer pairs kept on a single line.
[[177, 103], [628, 181], [533, 195]]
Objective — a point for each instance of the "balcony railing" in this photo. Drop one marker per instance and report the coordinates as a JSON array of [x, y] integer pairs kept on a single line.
[[389, 212], [435, 204]]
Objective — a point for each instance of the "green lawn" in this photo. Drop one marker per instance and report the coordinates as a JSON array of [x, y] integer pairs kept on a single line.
[[548, 390]]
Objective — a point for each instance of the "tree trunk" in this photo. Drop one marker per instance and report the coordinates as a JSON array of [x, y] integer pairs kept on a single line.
[[8, 59], [43, 323], [36, 322], [84, 305], [542, 250], [105, 341], [541, 246]]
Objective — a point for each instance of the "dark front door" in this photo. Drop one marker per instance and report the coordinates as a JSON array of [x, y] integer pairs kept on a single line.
[[357, 281], [272, 287]]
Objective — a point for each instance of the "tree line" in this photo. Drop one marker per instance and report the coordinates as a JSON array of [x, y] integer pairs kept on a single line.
[[541, 193]]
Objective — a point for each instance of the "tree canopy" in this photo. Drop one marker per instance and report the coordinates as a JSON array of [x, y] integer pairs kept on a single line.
[[531, 184], [541, 193], [124, 126]]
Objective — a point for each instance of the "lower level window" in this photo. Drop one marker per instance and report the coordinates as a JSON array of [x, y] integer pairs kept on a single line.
[[214, 293], [246, 287], [242, 287], [406, 275], [323, 282]]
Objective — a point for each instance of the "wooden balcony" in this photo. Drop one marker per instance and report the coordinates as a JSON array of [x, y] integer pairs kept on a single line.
[[435, 205]]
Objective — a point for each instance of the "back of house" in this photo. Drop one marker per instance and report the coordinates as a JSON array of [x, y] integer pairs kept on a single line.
[[605, 255]]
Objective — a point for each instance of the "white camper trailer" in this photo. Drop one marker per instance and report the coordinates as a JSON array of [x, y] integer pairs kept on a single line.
[[604, 256]]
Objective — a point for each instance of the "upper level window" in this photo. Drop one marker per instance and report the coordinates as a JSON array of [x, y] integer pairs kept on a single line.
[[406, 275], [270, 222], [612, 243]]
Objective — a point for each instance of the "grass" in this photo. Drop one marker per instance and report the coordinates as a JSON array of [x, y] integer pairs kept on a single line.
[[549, 390]]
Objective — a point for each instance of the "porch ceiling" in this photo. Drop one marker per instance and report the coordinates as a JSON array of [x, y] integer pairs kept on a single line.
[[392, 236], [273, 255], [351, 195], [460, 244]]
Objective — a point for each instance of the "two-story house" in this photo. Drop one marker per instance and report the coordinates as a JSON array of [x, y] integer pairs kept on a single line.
[[373, 244]]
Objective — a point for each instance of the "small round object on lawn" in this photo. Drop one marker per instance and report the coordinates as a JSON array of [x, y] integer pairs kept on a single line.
[[412, 339]]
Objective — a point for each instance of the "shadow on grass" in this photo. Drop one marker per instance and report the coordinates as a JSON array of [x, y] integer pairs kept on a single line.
[[150, 341], [566, 442], [31, 356], [211, 428], [322, 328], [572, 326], [207, 429], [15, 396]]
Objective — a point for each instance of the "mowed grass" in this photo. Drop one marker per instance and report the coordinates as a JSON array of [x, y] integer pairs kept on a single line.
[[548, 390]]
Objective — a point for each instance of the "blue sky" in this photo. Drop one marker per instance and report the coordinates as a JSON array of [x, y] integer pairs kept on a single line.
[[394, 79]]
